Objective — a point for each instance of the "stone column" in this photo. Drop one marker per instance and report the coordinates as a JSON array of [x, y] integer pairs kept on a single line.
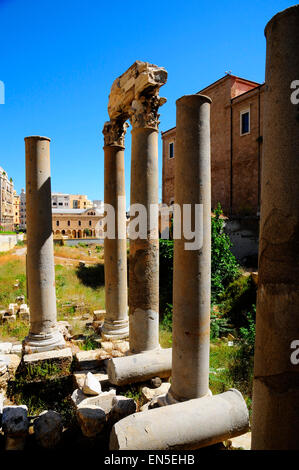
[[43, 333], [116, 325], [144, 252], [192, 268], [276, 366]]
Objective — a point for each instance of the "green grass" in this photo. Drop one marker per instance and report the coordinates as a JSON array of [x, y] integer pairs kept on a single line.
[[10, 272], [17, 330], [70, 291]]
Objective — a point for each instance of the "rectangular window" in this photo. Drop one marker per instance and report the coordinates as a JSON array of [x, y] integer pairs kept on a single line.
[[171, 150], [245, 122]]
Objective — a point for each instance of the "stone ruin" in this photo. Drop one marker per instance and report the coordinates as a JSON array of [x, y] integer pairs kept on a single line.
[[183, 414]]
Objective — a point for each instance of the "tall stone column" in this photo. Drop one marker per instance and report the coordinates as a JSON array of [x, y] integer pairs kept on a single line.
[[276, 367], [192, 268], [144, 252], [43, 333], [116, 323]]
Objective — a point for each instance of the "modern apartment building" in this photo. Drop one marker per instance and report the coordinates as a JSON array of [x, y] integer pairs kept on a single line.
[[16, 210], [70, 201], [23, 219], [6, 201]]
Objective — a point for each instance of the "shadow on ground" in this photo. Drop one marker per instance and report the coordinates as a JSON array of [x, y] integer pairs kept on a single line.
[[91, 276]]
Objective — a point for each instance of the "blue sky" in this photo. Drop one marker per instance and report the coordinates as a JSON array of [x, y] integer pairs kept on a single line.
[[59, 58]]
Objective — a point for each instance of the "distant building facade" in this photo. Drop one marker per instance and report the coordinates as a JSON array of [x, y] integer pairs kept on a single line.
[[16, 210], [236, 146], [98, 204], [70, 201], [6, 201], [23, 219], [77, 223]]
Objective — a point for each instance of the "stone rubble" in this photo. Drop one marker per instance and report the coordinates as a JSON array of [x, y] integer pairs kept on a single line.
[[48, 429], [91, 385], [15, 425], [91, 419]]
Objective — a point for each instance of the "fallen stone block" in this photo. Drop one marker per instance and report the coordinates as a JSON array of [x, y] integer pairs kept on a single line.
[[121, 346], [150, 393], [79, 378], [25, 316], [91, 359], [9, 319], [99, 315], [13, 309], [64, 328], [91, 419], [104, 400], [5, 348], [187, 425], [107, 346], [48, 429], [140, 367], [91, 385], [15, 425], [121, 407], [16, 349]]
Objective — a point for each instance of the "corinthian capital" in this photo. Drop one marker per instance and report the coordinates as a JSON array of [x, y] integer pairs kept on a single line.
[[144, 111], [114, 132]]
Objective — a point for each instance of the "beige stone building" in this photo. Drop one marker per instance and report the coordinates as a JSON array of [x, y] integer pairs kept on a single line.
[[6, 201], [16, 210], [77, 223]]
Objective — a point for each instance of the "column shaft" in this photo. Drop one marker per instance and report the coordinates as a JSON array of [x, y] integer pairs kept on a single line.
[[144, 253], [40, 256], [192, 268], [276, 374], [116, 323]]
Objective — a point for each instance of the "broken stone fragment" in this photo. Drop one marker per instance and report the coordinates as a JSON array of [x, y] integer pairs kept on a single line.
[[91, 385], [121, 407], [48, 429], [80, 376], [156, 382], [99, 315], [91, 419], [104, 400], [150, 393], [139, 78], [15, 422]]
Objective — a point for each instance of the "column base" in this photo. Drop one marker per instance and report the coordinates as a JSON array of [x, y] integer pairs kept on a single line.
[[169, 399], [118, 329], [35, 343]]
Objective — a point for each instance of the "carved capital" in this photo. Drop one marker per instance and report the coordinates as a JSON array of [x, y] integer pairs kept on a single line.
[[144, 111], [114, 132]]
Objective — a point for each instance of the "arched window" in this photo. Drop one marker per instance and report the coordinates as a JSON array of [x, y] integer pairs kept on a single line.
[[90, 223], [68, 223], [79, 223], [57, 223]]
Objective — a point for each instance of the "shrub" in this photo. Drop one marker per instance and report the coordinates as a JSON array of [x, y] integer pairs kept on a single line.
[[237, 300], [224, 268], [166, 274]]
